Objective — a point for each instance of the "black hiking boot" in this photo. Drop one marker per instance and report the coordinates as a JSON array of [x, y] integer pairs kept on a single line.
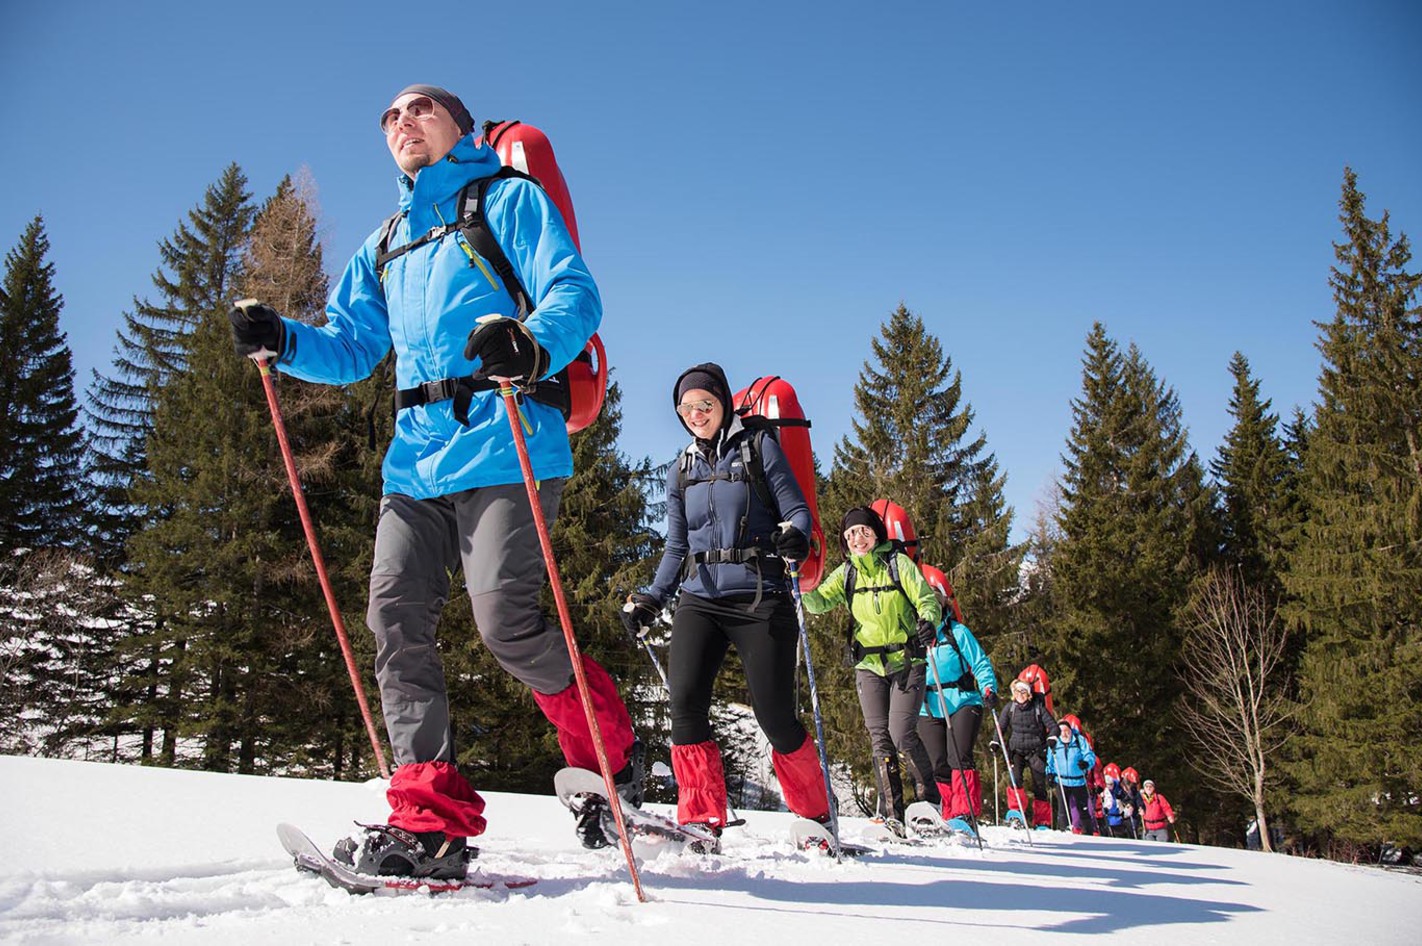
[[593, 821], [388, 851]]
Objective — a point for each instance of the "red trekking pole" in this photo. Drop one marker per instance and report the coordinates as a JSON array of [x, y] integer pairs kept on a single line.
[[506, 391], [310, 528]]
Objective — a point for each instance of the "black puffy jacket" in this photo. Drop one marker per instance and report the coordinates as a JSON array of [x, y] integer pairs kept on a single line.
[[1026, 725]]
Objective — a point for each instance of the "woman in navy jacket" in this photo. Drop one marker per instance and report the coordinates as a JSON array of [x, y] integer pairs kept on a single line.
[[725, 550]]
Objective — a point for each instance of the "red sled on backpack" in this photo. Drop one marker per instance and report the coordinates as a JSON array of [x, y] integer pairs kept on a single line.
[[774, 399], [899, 526], [938, 581], [525, 148], [1036, 678]]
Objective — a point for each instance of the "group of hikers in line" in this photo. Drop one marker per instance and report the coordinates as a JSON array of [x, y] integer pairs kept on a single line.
[[477, 284]]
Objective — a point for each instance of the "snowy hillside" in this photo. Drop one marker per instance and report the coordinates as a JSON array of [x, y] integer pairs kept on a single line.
[[119, 854]]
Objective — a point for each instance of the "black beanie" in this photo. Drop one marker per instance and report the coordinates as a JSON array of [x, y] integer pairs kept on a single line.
[[448, 100], [707, 377], [862, 516]]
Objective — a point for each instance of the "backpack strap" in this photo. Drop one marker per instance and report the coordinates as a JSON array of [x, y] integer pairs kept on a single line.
[[481, 244]]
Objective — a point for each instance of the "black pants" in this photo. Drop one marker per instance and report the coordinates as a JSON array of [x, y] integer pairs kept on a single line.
[[1036, 763], [934, 735], [765, 638]]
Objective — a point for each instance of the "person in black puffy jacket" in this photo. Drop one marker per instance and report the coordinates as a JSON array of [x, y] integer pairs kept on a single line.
[[1026, 725]]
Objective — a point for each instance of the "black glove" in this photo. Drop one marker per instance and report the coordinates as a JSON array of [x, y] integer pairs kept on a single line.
[[990, 698], [257, 330], [995, 746], [505, 349], [639, 614], [1081, 764], [791, 543], [927, 633], [1052, 740]]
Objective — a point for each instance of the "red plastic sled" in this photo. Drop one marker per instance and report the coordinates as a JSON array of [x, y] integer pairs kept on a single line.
[[525, 148], [935, 577], [899, 525], [774, 398]]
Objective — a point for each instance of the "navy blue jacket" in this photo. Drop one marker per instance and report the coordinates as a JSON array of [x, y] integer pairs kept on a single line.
[[707, 514]]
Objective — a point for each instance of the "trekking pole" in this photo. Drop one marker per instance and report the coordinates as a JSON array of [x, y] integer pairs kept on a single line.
[[794, 576], [956, 762], [996, 787], [1011, 777], [310, 528], [506, 391]]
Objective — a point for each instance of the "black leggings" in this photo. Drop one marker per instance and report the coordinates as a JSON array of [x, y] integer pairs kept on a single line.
[[934, 734], [765, 638], [1036, 761]]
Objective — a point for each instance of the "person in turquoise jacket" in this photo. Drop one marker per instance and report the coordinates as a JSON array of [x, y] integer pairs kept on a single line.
[[960, 680], [890, 602], [453, 491], [1069, 759]]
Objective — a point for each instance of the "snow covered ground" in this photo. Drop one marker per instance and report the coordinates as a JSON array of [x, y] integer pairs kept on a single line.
[[119, 854]]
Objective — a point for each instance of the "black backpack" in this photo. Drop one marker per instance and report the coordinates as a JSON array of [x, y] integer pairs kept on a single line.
[[479, 244]]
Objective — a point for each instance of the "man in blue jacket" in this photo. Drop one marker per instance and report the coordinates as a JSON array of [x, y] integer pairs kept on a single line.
[[453, 490], [1069, 760]]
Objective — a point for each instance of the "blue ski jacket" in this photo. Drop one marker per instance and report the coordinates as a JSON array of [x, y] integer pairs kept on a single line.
[[1114, 801], [953, 670], [706, 513], [1064, 758], [426, 308]]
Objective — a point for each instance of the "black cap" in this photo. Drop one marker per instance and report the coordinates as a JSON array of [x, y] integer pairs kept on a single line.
[[707, 377], [862, 516], [448, 100]]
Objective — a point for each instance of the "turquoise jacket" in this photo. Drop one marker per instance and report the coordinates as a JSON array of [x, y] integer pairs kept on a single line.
[[951, 669], [428, 305], [1064, 760]]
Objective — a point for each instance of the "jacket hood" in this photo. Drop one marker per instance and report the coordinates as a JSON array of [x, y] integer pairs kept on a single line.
[[721, 388]]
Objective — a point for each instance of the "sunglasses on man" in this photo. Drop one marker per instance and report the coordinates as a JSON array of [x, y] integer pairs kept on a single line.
[[419, 108]]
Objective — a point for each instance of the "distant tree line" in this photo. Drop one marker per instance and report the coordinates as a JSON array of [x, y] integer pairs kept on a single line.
[[1243, 629]]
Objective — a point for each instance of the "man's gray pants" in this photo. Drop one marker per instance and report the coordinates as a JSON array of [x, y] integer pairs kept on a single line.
[[418, 542]]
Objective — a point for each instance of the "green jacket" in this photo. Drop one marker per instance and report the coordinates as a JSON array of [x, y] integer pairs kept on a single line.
[[882, 616]]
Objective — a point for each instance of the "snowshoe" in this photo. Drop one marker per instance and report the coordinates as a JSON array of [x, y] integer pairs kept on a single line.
[[384, 850], [308, 859], [584, 794], [1015, 819], [961, 826], [813, 836]]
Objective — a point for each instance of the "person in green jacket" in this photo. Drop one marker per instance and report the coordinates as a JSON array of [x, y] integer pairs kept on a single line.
[[888, 599]]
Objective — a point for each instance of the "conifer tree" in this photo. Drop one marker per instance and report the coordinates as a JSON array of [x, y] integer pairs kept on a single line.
[[1132, 504], [1256, 485], [913, 443], [200, 265], [1356, 572], [39, 485]]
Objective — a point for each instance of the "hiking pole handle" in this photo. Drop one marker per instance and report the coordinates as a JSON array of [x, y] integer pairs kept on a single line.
[[545, 540], [309, 526]]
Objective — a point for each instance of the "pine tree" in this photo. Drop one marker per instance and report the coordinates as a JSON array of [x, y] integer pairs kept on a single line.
[[912, 443], [39, 487], [1132, 504], [201, 263], [1256, 485], [1356, 571]]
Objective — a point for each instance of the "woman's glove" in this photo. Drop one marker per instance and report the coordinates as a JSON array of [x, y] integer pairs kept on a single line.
[[640, 613]]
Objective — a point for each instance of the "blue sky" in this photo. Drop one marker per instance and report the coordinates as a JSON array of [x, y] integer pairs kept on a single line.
[[760, 184]]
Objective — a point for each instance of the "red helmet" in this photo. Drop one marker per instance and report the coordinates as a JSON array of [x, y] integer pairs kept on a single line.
[[1131, 775], [1113, 771]]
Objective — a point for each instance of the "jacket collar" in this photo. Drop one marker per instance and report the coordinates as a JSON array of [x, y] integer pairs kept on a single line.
[[440, 181]]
